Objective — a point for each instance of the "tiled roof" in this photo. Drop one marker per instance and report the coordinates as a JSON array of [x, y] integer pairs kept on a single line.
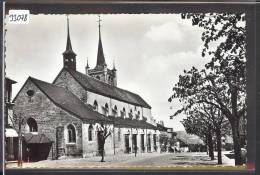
[[128, 123], [99, 87], [31, 138], [69, 102]]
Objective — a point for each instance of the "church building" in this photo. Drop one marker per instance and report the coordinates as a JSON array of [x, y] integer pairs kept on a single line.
[[63, 118]]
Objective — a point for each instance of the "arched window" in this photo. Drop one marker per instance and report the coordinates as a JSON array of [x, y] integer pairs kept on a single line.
[[32, 125], [106, 106], [114, 111], [138, 115], [106, 109], [123, 113], [95, 105], [90, 133], [71, 134]]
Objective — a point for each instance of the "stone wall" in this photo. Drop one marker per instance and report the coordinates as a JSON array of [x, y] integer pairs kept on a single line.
[[49, 117]]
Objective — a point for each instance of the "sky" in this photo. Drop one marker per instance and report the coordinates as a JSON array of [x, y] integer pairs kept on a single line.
[[150, 51]]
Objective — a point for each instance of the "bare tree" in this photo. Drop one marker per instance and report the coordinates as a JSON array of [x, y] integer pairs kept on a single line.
[[103, 132], [18, 121]]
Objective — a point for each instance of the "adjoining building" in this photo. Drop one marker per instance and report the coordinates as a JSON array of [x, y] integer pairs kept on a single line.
[[62, 118], [11, 135]]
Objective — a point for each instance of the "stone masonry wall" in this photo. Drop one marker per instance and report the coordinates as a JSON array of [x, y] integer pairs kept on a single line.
[[48, 117]]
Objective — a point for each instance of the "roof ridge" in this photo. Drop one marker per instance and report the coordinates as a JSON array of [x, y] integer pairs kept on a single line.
[[106, 84], [137, 99], [35, 79]]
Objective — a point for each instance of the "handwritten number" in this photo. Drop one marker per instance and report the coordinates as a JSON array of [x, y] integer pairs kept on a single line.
[[17, 18]]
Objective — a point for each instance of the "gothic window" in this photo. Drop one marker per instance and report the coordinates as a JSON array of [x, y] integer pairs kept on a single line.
[[71, 133], [131, 114], [32, 125], [95, 105], [90, 133], [123, 113], [105, 109], [115, 110], [138, 115]]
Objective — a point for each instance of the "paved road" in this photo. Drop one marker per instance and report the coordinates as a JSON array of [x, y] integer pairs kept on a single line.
[[154, 160]]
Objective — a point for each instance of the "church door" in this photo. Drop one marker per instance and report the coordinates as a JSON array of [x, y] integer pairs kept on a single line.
[[154, 142], [134, 141], [149, 143], [142, 143], [127, 148], [99, 137]]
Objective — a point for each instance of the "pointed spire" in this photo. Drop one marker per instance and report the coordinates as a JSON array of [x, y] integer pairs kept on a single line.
[[87, 64], [69, 57], [68, 45], [114, 67], [100, 55]]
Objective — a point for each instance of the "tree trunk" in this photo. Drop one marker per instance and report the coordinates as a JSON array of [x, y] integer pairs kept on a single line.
[[20, 161], [236, 141], [206, 145], [102, 152], [218, 134], [211, 147]]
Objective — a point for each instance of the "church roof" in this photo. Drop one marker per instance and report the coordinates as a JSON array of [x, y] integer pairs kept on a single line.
[[9, 80], [68, 101], [99, 87]]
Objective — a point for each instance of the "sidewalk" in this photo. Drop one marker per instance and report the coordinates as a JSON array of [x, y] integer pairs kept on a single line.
[[90, 162], [130, 161]]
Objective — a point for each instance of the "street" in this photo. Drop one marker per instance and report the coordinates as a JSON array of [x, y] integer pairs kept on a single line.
[[144, 160]]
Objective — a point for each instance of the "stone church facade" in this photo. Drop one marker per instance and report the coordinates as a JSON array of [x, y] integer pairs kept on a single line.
[[63, 118]]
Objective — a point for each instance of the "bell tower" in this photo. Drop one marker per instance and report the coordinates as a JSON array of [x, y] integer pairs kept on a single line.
[[100, 71], [69, 57]]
